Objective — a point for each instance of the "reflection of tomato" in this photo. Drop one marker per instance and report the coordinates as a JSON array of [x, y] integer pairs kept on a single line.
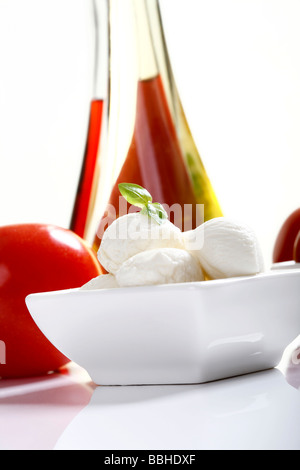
[[284, 245], [36, 258]]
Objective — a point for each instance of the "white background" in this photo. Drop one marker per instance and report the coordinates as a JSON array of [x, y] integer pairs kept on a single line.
[[237, 66]]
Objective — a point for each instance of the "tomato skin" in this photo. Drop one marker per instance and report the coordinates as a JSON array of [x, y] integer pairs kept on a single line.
[[284, 245], [297, 249], [36, 258]]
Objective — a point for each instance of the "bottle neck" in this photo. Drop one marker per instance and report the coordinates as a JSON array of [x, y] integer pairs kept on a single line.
[[101, 61], [147, 60], [131, 37]]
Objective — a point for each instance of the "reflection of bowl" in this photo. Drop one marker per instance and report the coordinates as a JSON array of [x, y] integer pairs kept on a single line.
[[172, 334], [233, 414]]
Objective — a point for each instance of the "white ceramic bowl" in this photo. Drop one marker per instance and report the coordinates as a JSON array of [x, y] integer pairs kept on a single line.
[[286, 265], [174, 334]]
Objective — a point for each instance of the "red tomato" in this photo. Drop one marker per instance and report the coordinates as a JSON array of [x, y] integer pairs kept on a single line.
[[284, 245], [297, 249], [36, 258]]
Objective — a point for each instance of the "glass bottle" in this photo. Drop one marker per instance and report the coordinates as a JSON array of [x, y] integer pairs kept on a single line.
[[203, 189], [147, 141], [89, 175]]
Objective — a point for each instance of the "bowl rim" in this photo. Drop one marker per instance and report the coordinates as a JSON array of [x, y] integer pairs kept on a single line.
[[207, 284]]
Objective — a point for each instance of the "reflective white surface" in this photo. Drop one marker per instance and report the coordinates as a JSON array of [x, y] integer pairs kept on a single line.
[[66, 411]]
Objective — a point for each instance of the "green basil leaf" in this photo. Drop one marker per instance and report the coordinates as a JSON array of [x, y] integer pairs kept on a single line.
[[135, 194], [156, 212], [140, 197]]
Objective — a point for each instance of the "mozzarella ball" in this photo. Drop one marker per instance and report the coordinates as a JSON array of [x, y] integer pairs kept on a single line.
[[225, 248], [160, 266], [104, 281], [133, 234]]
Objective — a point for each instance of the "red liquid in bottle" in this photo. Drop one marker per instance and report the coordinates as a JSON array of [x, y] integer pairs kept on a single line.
[[85, 186], [155, 159]]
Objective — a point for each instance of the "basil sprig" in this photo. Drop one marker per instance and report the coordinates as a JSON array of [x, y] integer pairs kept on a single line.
[[140, 197]]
